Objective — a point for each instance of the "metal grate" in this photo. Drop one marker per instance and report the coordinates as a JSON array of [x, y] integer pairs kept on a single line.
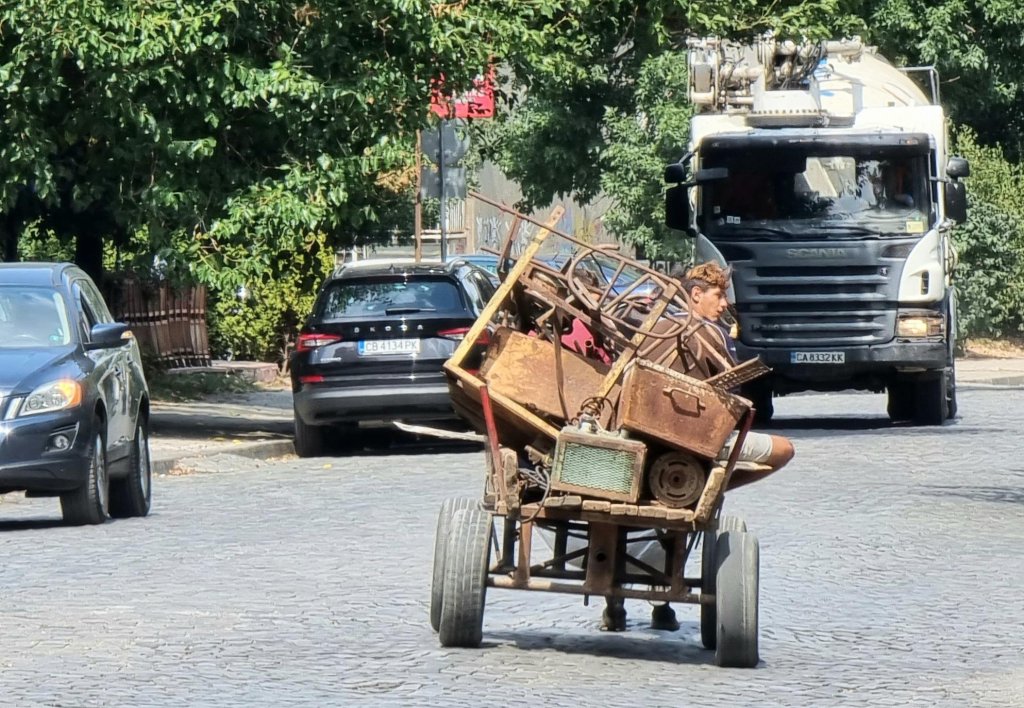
[[596, 468]]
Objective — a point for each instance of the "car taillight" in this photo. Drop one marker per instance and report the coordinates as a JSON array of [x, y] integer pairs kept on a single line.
[[312, 340], [459, 333], [316, 378]]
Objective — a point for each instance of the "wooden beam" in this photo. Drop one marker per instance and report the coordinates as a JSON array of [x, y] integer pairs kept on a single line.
[[503, 291]]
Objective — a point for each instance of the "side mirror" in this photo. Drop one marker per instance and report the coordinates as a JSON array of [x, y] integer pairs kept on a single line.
[[958, 167], [956, 201], [712, 174], [109, 336], [677, 208], [675, 173]]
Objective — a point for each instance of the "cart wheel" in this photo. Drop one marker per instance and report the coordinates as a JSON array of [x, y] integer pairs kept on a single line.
[[448, 508], [467, 556], [738, 558], [708, 567]]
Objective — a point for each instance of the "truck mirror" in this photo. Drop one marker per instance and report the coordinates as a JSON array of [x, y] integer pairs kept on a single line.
[[677, 208], [958, 167], [675, 173], [956, 201], [711, 174]]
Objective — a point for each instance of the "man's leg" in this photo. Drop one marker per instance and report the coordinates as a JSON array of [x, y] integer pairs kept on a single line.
[[772, 451], [613, 619], [663, 617]]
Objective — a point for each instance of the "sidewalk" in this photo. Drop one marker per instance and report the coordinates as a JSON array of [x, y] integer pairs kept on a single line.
[[990, 371], [256, 425]]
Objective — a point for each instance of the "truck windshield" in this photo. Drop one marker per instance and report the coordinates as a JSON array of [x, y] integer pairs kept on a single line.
[[784, 194]]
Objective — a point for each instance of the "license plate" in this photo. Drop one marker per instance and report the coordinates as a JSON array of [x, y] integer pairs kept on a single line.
[[817, 357], [374, 347]]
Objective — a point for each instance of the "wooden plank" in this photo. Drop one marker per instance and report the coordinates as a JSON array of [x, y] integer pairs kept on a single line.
[[709, 497], [602, 554], [503, 291]]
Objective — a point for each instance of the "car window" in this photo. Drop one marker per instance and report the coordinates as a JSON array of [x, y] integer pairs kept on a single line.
[[32, 317], [370, 297], [484, 285], [94, 300]]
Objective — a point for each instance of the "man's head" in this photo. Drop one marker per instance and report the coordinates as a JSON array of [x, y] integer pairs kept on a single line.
[[705, 285]]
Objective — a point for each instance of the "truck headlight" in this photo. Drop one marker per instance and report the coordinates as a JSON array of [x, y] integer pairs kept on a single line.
[[920, 326]]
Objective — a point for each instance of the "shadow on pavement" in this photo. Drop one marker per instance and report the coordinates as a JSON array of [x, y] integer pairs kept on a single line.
[[667, 647], [995, 495], [10, 525]]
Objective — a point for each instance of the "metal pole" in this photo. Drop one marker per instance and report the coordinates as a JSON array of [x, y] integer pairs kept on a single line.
[[417, 218], [443, 207]]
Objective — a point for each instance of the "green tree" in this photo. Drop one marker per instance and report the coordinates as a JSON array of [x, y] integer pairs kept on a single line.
[[976, 47], [990, 277]]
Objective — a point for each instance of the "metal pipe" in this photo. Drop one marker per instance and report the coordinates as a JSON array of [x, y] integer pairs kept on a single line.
[[539, 585]]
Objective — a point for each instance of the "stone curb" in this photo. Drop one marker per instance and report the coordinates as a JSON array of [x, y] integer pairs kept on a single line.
[[255, 451]]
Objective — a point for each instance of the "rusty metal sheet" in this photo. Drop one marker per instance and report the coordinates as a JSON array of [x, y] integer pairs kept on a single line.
[[523, 368], [678, 410]]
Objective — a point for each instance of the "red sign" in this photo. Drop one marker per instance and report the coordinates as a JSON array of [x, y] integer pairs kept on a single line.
[[478, 102]]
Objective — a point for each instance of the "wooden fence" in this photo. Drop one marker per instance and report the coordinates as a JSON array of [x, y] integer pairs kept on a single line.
[[169, 322]]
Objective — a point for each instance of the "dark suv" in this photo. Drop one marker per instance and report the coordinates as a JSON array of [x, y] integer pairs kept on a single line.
[[373, 348]]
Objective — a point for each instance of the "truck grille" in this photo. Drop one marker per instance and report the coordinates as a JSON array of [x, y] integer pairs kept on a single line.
[[797, 306]]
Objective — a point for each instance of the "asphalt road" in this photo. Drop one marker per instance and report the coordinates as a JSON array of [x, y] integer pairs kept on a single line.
[[892, 574]]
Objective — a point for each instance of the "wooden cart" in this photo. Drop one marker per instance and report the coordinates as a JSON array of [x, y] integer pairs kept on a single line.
[[604, 448]]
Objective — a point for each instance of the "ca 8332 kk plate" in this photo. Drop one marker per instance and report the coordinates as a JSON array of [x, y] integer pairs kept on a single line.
[[817, 357]]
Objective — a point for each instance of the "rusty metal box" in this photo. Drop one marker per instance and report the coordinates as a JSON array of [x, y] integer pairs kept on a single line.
[[678, 410], [598, 465]]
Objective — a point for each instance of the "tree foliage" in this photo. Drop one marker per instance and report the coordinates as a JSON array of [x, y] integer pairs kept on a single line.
[[976, 47], [990, 277]]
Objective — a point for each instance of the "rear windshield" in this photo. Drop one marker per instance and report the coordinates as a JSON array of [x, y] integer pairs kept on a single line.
[[392, 295], [32, 317]]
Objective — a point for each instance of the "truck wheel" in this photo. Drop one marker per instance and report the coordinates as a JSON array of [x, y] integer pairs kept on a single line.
[[901, 403], [466, 558], [951, 391], [760, 394], [736, 599], [708, 615], [932, 404], [444, 518]]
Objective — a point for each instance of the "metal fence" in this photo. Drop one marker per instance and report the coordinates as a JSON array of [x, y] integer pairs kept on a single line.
[[169, 322]]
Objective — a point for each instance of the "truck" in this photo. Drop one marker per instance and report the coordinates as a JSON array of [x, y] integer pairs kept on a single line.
[[820, 174]]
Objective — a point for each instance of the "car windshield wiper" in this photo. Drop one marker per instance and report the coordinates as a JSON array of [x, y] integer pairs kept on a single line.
[[407, 310], [755, 230], [852, 229]]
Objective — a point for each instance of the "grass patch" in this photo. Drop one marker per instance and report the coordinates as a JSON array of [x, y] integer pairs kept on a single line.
[[193, 386]]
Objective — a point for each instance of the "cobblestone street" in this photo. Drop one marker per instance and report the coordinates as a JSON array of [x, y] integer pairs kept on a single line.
[[891, 574]]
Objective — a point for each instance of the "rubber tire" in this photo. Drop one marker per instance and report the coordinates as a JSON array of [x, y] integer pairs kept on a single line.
[[90, 503], [900, 405], [709, 569], [760, 394], [932, 405], [951, 391], [467, 555], [131, 496], [444, 517], [738, 581], [310, 440]]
